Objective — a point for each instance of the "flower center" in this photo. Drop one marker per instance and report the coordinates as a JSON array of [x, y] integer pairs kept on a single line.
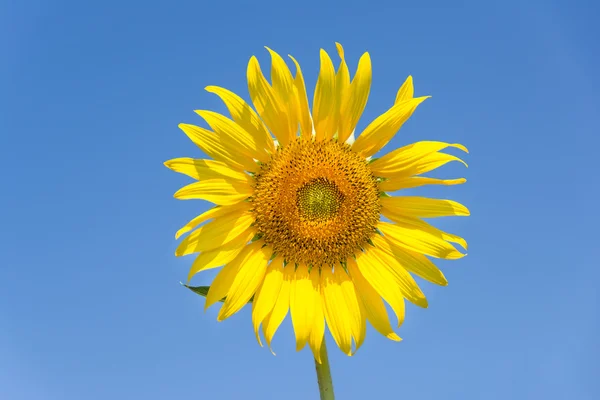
[[319, 199], [316, 202]]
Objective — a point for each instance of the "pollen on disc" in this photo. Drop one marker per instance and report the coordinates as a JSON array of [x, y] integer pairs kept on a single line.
[[316, 202]]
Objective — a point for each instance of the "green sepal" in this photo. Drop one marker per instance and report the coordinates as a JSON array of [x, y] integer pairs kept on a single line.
[[203, 291]]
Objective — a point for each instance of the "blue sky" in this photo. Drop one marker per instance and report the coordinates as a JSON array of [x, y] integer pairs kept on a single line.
[[90, 98]]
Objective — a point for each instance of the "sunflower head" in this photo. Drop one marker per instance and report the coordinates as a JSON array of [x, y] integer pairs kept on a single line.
[[298, 223]]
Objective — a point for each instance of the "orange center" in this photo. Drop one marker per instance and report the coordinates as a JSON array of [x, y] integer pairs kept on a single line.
[[316, 202]]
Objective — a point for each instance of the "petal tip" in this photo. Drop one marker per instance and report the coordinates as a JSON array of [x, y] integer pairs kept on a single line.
[[455, 255], [202, 113], [272, 52], [393, 336], [340, 50], [253, 64], [461, 147], [258, 339]]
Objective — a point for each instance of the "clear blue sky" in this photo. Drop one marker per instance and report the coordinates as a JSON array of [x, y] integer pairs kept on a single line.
[[90, 98]]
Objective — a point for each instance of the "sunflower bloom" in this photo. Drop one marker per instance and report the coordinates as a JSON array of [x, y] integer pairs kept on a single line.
[[297, 225]]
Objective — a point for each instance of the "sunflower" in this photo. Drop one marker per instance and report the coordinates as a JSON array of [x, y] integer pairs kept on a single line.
[[298, 223]]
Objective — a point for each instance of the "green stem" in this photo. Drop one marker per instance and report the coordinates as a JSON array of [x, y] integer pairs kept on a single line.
[[324, 375]]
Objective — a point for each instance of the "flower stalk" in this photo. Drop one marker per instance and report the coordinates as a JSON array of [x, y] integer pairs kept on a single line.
[[324, 375]]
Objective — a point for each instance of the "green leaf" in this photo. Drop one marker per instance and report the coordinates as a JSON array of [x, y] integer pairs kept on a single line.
[[203, 291]]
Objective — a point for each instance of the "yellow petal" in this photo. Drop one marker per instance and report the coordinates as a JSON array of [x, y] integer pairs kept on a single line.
[[406, 91], [219, 191], [206, 169], [303, 111], [411, 261], [315, 339], [266, 296], [342, 90], [419, 241], [382, 281], [219, 149], [220, 285], [281, 307], [336, 310], [394, 184], [216, 233], [222, 282], [267, 104], [357, 319], [425, 164], [234, 135], [244, 116], [423, 207], [303, 299], [284, 88], [214, 212], [324, 101], [414, 159], [417, 223], [221, 255], [371, 303], [356, 100], [386, 265], [380, 131], [250, 274]]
